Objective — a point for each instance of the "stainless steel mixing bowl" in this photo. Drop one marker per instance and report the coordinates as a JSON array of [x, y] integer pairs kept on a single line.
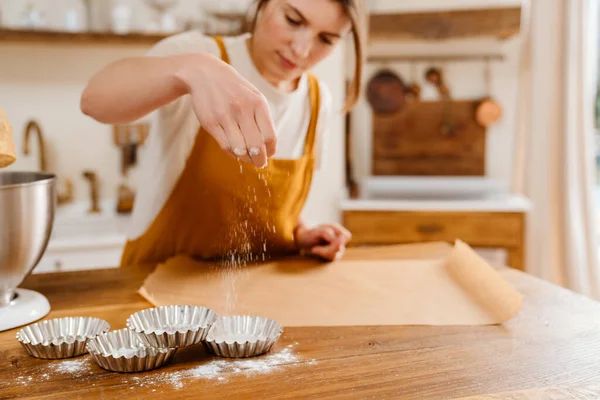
[[27, 206]]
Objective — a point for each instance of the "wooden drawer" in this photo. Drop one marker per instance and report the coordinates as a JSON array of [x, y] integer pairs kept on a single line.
[[475, 228]]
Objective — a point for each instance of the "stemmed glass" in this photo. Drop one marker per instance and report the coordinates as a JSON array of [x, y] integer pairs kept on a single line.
[[164, 22], [229, 15]]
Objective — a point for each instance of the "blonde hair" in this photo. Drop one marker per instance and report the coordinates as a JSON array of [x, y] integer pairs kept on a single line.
[[357, 12]]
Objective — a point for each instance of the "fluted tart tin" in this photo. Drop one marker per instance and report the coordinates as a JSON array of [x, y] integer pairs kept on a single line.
[[61, 337], [123, 351], [242, 336], [172, 326]]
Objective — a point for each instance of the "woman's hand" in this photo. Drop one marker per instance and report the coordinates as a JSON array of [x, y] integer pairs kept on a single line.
[[326, 241], [230, 108]]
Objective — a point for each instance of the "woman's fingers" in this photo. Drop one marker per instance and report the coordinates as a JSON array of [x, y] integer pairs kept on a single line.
[[217, 132], [254, 142], [322, 252], [322, 235], [328, 234], [266, 127], [336, 238], [331, 251], [242, 130], [343, 232], [325, 241], [236, 139]]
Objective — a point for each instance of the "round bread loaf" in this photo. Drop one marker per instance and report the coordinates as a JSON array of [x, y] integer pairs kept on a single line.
[[7, 145]]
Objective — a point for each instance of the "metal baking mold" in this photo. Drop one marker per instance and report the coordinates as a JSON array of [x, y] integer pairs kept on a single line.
[[60, 337], [123, 351], [242, 336], [172, 326]]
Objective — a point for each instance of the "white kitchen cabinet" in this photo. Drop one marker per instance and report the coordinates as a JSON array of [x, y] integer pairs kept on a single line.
[[81, 258], [83, 241]]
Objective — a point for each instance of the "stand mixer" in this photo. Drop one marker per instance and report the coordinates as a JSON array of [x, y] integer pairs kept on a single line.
[[27, 207]]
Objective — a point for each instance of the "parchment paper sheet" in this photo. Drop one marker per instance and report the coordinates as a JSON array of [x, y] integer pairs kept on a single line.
[[454, 286]]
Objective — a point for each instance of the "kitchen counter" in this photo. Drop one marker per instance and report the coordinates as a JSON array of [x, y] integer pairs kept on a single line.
[[495, 203], [552, 348]]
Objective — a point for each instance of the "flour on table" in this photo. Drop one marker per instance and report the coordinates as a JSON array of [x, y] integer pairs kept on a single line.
[[74, 367], [220, 370], [71, 366]]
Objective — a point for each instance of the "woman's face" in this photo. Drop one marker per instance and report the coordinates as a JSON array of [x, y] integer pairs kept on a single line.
[[291, 36]]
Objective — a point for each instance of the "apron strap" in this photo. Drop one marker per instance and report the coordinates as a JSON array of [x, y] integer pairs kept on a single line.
[[221, 44], [315, 107]]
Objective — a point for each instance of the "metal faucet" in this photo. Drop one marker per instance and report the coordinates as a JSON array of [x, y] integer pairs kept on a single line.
[[91, 177], [62, 198], [33, 125]]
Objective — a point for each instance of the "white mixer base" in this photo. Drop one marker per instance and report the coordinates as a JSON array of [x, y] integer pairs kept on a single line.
[[27, 307]]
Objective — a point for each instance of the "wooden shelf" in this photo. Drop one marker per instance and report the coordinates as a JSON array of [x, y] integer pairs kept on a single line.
[[501, 23], [100, 38]]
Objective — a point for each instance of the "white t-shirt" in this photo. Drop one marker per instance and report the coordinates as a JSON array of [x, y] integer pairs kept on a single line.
[[174, 126]]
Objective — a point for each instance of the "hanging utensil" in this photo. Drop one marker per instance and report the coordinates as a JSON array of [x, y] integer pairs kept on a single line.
[[386, 92], [413, 91], [351, 183], [488, 110], [435, 76]]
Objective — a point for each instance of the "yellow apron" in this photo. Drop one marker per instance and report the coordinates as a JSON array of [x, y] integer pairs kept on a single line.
[[221, 208]]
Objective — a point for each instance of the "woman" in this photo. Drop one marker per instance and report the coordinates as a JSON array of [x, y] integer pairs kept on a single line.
[[238, 126]]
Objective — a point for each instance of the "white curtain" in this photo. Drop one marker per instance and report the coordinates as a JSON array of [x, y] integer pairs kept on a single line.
[[554, 147]]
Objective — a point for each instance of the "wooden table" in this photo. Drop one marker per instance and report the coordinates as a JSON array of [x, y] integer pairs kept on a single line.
[[551, 348]]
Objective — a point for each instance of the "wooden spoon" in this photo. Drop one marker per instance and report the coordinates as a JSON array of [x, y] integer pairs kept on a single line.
[[435, 76]]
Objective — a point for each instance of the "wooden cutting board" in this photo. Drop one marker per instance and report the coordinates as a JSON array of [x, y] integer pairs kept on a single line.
[[410, 142]]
